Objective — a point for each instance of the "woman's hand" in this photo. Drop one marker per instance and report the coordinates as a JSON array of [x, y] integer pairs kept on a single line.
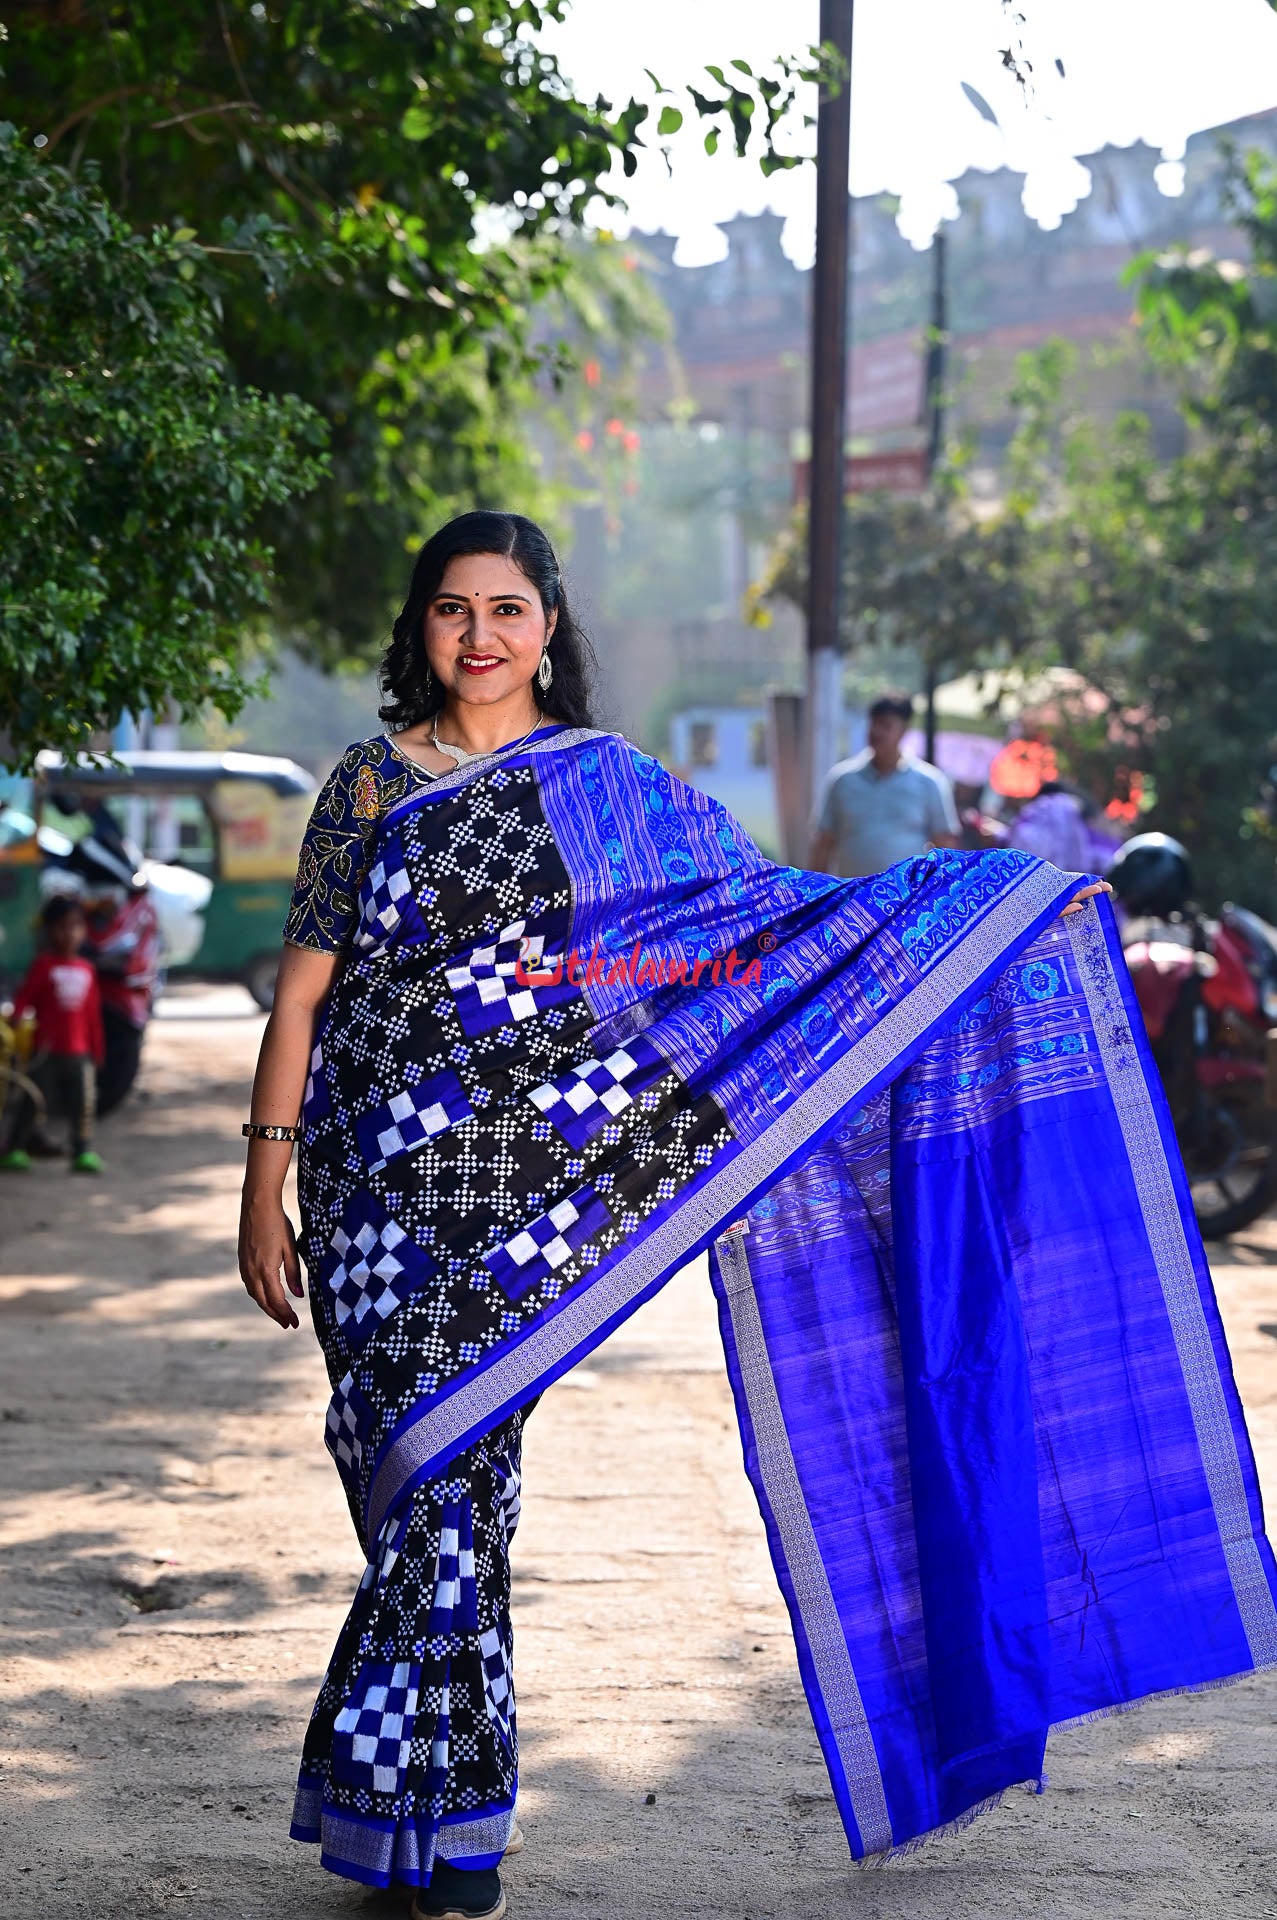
[[266, 1241], [267, 1244], [1079, 899]]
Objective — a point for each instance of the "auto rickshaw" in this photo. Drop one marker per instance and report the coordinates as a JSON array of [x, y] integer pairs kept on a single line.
[[235, 818]]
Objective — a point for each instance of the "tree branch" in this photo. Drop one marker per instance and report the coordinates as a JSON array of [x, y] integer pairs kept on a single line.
[[197, 113], [91, 107]]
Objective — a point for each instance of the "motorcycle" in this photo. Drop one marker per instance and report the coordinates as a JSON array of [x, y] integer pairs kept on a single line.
[[1208, 991]]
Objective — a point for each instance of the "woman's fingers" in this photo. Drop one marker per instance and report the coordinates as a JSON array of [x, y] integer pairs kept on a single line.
[[267, 1290], [260, 1271], [267, 1247], [1086, 893], [275, 1301]]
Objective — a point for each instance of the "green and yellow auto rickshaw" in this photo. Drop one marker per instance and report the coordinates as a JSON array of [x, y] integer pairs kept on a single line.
[[235, 818]]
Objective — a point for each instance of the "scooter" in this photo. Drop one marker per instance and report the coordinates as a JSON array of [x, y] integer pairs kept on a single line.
[[1208, 992]]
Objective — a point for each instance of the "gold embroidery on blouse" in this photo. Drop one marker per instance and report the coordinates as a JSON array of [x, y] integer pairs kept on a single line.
[[367, 796]]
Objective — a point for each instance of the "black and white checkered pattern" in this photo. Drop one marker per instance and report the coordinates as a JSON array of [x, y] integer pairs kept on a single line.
[[362, 1281], [341, 1429], [381, 904], [497, 1685], [379, 1724], [411, 1117], [428, 1061], [486, 984], [463, 1753], [593, 1088]]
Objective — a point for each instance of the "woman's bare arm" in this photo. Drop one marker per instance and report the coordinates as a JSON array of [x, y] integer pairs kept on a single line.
[[267, 1243]]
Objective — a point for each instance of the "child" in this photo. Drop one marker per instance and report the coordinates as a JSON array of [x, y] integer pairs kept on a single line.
[[61, 990]]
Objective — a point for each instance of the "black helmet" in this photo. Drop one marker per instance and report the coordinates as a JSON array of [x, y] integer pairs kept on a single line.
[[1152, 875]]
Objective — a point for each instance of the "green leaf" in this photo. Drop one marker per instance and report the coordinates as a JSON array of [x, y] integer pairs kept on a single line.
[[670, 121], [711, 140], [417, 124]]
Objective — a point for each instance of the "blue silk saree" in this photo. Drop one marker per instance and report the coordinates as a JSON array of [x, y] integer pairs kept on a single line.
[[585, 1031]]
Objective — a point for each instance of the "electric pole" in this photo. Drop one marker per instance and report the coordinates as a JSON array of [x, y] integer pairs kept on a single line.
[[830, 350], [935, 378]]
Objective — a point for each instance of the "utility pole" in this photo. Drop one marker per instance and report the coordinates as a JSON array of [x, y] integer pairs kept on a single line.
[[830, 350], [935, 379]]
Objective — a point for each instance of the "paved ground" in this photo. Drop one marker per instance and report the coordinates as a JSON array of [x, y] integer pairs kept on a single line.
[[177, 1558]]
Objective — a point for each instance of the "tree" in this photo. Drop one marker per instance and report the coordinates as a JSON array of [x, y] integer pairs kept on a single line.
[[133, 470], [1154, 583], [1158, 582], [374, 138], [927, 573]]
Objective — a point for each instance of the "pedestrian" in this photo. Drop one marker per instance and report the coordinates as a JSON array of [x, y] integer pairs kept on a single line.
[[61, 992], [124, 941], [983, 1394], [1062, 824], [882, 805]]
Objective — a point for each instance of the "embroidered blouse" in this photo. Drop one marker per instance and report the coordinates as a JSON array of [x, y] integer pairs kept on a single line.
[[370, 777]]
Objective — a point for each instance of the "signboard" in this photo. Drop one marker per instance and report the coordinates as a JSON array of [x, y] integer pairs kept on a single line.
[[902, 470], [259, 831], [887, 382]]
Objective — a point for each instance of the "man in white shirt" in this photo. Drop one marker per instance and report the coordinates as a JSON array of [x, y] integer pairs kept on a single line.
[[882, 805]]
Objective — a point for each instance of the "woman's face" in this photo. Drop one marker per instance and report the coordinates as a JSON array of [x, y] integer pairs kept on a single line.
[[485, 629]]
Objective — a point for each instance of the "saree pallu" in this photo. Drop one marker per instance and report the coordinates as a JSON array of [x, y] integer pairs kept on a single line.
[[586, 1031]]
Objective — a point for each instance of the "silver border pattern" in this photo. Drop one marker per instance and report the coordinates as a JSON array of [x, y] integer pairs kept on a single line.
[[1159, 1205], [835, 1674], [460, 776]]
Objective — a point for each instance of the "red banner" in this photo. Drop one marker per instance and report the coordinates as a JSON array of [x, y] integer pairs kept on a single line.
[[903, 470]]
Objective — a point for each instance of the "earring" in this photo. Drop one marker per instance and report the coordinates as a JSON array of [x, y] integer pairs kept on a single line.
[[545, 672], [430, 681]]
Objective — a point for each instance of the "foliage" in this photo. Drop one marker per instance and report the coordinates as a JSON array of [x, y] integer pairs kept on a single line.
[[925, 573], [369, 142], [132, 469], [1158, 582], [1152, 584]]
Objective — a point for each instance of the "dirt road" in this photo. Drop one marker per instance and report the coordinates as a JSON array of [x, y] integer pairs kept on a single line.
[[177, 1558]]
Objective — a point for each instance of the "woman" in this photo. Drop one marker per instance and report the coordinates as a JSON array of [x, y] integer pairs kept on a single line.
[[553, 1026]]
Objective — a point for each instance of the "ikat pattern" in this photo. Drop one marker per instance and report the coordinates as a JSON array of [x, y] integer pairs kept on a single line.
[[470, 1154], [412, 1744], [1025, 1038], [498, 1168]]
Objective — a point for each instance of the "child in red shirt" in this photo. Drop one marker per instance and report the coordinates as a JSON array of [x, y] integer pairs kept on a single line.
[[61, 990]]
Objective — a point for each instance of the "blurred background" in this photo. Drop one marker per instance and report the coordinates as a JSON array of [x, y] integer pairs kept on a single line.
[[393, 235], [283, 287]]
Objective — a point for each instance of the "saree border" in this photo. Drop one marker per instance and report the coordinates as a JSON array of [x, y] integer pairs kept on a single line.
[[449, 782], [1118, 1028], [425, 1439], [803, 1575], [381, 1852]]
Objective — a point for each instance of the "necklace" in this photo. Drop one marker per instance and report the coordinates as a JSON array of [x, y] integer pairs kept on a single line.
[[464, 757]]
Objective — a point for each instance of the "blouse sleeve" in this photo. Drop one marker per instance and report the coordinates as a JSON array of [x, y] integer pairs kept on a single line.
[[334, 856]]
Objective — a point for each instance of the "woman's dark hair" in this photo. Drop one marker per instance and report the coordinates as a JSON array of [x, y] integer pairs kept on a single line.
[[403, 666]]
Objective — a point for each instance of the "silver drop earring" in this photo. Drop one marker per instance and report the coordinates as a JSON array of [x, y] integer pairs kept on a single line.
[[430, 681], [545, 671]]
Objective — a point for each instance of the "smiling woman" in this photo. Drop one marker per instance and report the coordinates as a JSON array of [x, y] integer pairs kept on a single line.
[[978, 1369], [486, 634]]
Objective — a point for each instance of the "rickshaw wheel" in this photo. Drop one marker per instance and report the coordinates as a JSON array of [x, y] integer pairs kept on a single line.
[[259, 977]]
